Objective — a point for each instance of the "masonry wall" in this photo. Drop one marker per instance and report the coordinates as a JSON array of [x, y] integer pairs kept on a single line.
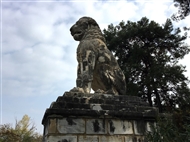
[[97, 118], [85, 129]]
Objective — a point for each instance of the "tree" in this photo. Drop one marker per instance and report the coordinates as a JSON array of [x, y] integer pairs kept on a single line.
[[7, 134], [148, 53], [24, 131], [183, 9], [170, 128]]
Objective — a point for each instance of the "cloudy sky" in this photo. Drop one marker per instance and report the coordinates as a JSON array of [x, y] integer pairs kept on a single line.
[[38, 54]]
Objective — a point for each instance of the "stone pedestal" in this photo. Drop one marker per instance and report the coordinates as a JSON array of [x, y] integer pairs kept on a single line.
[[77, 117]]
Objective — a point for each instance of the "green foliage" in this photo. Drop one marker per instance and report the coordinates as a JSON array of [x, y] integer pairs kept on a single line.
[[148, 53], [168, 130], [23, 132], [7, 134], [163, 131], [183, 9]]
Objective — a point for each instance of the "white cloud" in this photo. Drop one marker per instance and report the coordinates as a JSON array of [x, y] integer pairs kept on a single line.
[[35, 67], [38, 22], [38, 48]]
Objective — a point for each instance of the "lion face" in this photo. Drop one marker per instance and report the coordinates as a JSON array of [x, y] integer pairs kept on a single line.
[[79, 29]]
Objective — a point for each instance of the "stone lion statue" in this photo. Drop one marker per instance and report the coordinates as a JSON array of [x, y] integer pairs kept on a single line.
[[97, 67]]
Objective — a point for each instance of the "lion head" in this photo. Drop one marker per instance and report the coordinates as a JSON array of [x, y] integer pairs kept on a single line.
[[86, 28]]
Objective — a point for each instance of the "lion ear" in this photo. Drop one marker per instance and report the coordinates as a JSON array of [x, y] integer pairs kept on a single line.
[[92, 22]]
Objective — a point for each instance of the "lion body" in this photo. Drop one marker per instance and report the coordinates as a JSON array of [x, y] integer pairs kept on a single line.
[[97, 67]]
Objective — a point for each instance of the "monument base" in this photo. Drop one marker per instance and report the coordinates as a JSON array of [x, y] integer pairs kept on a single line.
[[77, 117]]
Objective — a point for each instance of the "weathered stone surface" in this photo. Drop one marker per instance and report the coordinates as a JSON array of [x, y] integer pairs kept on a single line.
[[149, 126], [96, 107], [88, 129], [70, 125], [111, 139], [46, 125], [129, 139], [138, 139], [80, 104], [139, 127], [134, 139], [120, 127], [88, 139], [96, 126], [52, 126], [102, 117], [62, 139], [97, 67]]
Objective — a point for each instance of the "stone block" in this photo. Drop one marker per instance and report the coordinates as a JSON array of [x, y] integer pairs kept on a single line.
[[128, 139], [138, 139], [120, 127], [96, 107], [134, 139], [111, 139], [46, 128], [52, 125], [71, 125], [88, 139], [96, 126], [139, 127], [61, 139], [149, 126], [107, 118]]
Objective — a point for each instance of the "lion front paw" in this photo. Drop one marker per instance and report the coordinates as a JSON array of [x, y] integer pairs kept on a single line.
[[99, 91], [77, 90]]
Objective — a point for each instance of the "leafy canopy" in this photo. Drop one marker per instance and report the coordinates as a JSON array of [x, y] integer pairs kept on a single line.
[[148, 53], [183, 9], [24, 131]]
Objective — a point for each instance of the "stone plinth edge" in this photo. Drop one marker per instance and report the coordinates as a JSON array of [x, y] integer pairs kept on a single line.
[[100, 105]]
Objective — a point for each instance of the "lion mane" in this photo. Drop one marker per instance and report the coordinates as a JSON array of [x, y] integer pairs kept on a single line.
[[97, 67]]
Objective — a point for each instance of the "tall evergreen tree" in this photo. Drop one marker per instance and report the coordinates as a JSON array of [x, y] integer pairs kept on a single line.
[[148, 53]]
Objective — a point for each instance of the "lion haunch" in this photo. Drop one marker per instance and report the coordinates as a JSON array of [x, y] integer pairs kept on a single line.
[[97, 67]]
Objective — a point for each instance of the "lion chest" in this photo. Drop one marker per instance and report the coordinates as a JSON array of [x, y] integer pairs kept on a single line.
[[95, 49]]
